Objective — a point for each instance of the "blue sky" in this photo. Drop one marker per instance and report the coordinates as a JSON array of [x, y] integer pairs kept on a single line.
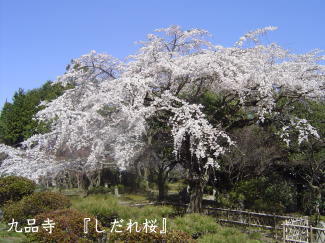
[[38, 38]]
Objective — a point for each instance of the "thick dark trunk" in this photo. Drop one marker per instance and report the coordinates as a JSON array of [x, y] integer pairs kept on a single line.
[[196, 195], [161, 187], [299, 197], [84, 183]]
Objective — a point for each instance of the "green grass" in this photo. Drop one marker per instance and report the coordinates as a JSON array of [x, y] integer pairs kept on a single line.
[[104, 207], [133, 198], [203, 227], [228, 235], [11, 236], [195, 224], [176, 186]]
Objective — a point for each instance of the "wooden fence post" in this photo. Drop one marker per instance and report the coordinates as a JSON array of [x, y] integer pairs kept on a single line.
[[274, 221], [311, 233], [284, 232]]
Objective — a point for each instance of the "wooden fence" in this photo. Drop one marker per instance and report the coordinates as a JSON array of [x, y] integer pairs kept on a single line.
[[242, 217], [299, 230], [287, 228]]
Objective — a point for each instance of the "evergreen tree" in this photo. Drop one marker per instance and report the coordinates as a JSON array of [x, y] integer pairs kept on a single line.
[[16, 118]]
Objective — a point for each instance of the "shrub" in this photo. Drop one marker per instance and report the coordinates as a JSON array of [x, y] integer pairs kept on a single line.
[[121, 188], [142, 236], [13, 188], [195, 224], [142, 185], [69, 227], [100, 190], [38, 202], [231, 199], [309, 200], [208, 190], [104, 207], [269, 194]]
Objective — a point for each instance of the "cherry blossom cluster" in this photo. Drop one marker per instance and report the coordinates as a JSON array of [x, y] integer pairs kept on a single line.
[[300, 126], [103, 117], [189, 121], [29, 164]]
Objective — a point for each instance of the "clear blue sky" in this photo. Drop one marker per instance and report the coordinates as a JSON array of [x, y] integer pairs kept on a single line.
[[38, 38]]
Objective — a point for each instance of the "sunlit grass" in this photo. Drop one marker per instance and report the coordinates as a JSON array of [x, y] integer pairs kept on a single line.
[[176, 186], [202, 227], [133, 198], [106, 207]]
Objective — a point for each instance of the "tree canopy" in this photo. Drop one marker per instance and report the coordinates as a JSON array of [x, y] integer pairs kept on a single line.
[[201, 90]]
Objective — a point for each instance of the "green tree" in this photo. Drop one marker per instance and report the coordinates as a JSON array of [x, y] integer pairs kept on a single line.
[[16, 118]]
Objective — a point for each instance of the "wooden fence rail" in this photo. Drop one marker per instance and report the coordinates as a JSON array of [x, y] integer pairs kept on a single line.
[[293, 229], [302, 232], [242, 217]]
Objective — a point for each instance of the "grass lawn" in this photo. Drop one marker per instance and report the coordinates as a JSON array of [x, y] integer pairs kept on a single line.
[[107, 207], [10, 237], [203, 228], [133, 198]]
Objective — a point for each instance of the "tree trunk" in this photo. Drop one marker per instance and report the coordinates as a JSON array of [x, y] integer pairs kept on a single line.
[[161, 186], [196, 195], [84, 183], [318, 195], [92, 180], [97, 179], [78, 180], [145, 177], [299, 197]]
